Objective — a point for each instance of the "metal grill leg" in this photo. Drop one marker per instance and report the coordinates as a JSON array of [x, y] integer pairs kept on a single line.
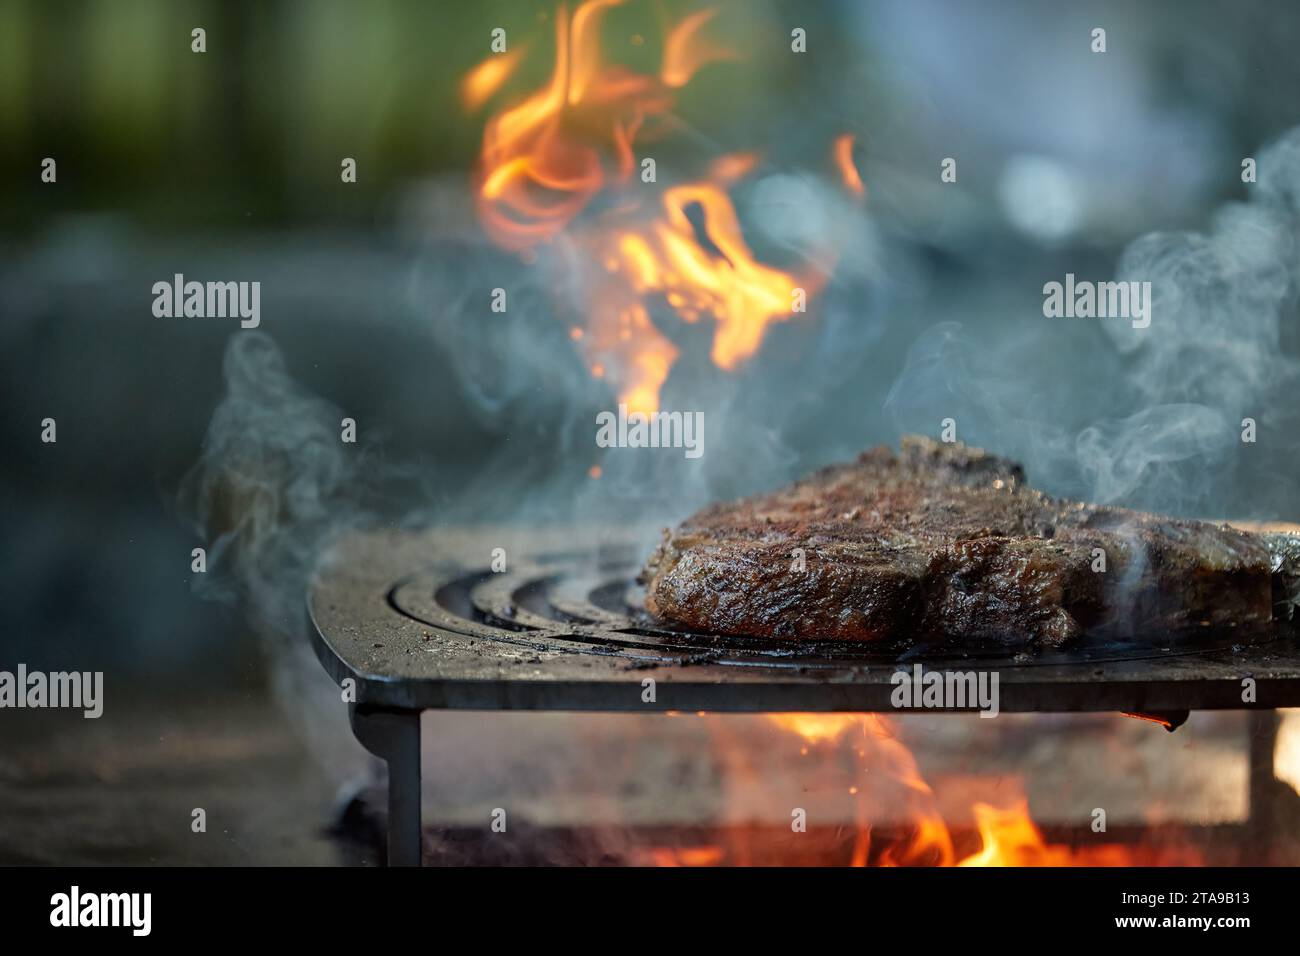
[[1264, 797], [394, 737]]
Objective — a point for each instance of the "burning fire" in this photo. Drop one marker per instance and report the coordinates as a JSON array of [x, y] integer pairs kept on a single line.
[[1008, 836], [546, 159], [818, 789]]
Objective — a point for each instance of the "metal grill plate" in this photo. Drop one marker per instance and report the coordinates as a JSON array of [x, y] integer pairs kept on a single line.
[[419, 620]]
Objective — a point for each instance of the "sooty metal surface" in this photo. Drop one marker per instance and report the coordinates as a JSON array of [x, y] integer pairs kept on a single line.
[[421, 620]]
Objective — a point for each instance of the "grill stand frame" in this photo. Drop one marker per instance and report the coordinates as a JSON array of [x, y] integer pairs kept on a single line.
[[393, 735], [361, 633]]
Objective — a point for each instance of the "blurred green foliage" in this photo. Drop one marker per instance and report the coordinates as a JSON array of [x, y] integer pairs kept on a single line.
[[251, 132]]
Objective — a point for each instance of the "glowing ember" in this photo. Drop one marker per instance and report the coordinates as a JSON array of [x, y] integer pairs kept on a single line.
[[686, 856], [545, 158], [816, 728]]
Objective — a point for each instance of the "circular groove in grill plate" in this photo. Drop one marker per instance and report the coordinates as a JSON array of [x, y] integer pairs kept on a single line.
[[576, 598]]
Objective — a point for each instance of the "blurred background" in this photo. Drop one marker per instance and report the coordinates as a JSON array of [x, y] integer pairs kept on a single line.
[[225, 165]]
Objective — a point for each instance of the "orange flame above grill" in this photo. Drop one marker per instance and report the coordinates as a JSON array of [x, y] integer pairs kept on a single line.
[[843, 153], [545, 159], [483, 82]]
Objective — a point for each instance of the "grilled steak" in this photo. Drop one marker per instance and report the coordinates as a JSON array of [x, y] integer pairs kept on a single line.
[[940, 542]]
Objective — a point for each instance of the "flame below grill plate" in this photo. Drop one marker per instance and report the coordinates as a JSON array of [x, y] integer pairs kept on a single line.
[[422, 620]]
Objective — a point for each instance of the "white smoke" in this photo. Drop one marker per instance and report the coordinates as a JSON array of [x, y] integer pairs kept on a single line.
[[1157, 423], [273, 485]]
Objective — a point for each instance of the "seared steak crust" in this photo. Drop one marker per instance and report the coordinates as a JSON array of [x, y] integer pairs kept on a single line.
[[941, 542]]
